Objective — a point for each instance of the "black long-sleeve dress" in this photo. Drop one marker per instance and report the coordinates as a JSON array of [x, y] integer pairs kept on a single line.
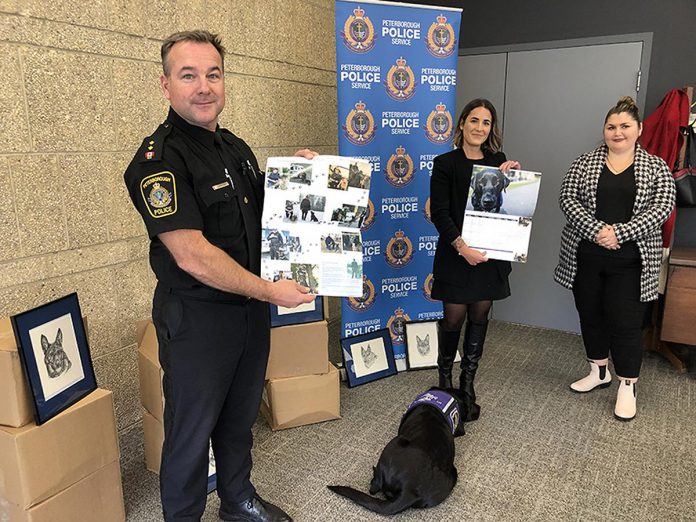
[[455, 280]]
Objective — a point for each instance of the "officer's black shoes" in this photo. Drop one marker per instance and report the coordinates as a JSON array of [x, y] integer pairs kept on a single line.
[[254, 509]]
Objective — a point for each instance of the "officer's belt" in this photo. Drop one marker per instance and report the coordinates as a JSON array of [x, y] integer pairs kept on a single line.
[[208, 294]]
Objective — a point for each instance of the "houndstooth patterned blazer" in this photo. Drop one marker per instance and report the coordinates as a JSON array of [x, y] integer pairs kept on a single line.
[[655, 197]]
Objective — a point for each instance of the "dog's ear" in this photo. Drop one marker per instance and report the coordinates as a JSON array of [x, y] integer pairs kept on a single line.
[[504, 180], [44, 343], [59, 336]]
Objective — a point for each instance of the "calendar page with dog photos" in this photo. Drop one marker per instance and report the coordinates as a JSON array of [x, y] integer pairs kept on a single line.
[[312, 214], [499, 212]]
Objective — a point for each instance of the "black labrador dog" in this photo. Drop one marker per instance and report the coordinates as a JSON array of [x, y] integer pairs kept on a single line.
[[416, 468], [488, 188]]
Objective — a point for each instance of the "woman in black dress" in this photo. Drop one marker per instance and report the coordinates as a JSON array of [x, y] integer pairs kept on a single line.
[[465, 280]]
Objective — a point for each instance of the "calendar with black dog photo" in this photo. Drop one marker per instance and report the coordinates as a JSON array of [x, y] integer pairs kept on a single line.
[[499, 212]]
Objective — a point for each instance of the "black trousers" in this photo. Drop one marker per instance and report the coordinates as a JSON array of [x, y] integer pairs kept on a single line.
[[214, 357], [607, 296]]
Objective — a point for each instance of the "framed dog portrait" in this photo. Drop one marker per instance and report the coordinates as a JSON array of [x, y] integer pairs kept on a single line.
[[304, 313], [53, 348], [368, 357], [422, 345]]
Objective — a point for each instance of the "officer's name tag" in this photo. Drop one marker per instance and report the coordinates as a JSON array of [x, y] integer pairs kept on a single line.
[[221, 185]]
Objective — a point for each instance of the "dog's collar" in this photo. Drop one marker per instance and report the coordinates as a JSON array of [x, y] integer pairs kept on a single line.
[[443, 401]]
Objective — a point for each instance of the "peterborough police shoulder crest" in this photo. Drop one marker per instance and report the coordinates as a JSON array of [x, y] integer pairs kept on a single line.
[[399, 250], [400, 168], [441, 39], [400, 82], [438, 126], [366, 300], [360, 125], [159, 193], [358, 32]]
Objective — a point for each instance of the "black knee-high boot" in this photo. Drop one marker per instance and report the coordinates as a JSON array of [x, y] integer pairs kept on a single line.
[[474, 337], [446, 352]]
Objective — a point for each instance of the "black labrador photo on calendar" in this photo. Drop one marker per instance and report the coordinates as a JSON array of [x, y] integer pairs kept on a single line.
[[488, 186], [416, 468]]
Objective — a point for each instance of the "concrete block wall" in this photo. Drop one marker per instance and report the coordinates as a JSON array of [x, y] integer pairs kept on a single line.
[[80, 92]]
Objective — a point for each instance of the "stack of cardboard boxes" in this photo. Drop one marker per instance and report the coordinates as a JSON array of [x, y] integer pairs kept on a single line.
[[302, 386], [67, 469]]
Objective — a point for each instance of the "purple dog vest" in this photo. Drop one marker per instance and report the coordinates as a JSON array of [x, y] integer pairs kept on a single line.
[[443, 401]]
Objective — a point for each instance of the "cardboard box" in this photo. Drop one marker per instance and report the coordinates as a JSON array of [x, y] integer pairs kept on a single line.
[[149, 370], [154, 438], [297, 401], [16, 403], [36, 462], [298, 349], [97, 496]]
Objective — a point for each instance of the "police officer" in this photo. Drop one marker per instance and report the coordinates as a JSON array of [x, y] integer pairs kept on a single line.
[[199, 191]]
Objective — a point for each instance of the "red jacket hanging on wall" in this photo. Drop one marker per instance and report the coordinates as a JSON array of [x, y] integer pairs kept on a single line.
[[662, 137]]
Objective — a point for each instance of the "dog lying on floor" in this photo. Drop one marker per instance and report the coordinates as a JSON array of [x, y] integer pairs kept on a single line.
[[416, 468]]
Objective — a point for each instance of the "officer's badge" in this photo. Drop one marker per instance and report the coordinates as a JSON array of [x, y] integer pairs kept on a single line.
[[400, 82], [426, 211], [358, 32], [397, 325], [366, 300], [159, 193], [428, 288], [399, 250], [360, 125], [400, 168], [438, 126], [440, 39], [369, 216]]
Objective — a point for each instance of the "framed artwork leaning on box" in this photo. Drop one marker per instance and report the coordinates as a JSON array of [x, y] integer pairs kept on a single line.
[[53, 348], [305, 313], [368, 357], [422, 345]]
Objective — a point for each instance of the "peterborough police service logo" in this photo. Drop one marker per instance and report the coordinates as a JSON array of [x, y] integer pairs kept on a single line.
[[440, 39], [369, 216], [358, 32], [366, 300], [159, 193], [400, 82], [428, 288], [360, 125], [399, 250], [397, 325], [400, 168], [438, 126], [426, 211]]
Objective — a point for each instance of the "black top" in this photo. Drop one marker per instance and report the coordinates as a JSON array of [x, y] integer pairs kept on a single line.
[[187, 177], [616, 195], [449, 190]]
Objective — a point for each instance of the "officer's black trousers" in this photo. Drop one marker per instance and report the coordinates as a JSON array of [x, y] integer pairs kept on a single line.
[[214, 357], [607, 296]]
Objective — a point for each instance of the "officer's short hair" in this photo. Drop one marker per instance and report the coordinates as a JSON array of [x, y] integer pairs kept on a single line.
[[198, 35]]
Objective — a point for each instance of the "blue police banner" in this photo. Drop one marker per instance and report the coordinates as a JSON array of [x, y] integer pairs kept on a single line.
[[396, 67]]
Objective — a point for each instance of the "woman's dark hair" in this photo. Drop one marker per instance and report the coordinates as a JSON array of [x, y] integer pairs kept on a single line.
[[494, 142], [625, 104]]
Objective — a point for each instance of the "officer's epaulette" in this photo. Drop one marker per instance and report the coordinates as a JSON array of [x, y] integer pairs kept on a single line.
[[151, 149]]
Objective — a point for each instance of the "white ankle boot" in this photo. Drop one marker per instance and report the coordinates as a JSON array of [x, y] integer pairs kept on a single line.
[[625, 408], [599, 377]]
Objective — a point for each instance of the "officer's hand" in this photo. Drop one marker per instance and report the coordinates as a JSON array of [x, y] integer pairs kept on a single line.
[[306, 153], [289, 294]]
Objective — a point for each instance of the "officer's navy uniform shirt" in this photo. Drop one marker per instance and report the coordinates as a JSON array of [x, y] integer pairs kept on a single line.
[[187, 177]]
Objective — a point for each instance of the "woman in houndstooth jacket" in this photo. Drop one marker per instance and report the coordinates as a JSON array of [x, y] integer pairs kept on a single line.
[[615, 200]]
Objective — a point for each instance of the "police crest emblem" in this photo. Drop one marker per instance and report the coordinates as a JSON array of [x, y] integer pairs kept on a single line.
[[358, 32], [369, 216], [360, 125], [426, 211], [400, 82], [399, 250], [428, 288], [441, 40], [397, 325], [159, 193], [438, 126], [400, 168], [366, 300]]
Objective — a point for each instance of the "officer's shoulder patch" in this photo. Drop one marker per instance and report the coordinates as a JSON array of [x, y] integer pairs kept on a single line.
[[151, 149], [159, 193]]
